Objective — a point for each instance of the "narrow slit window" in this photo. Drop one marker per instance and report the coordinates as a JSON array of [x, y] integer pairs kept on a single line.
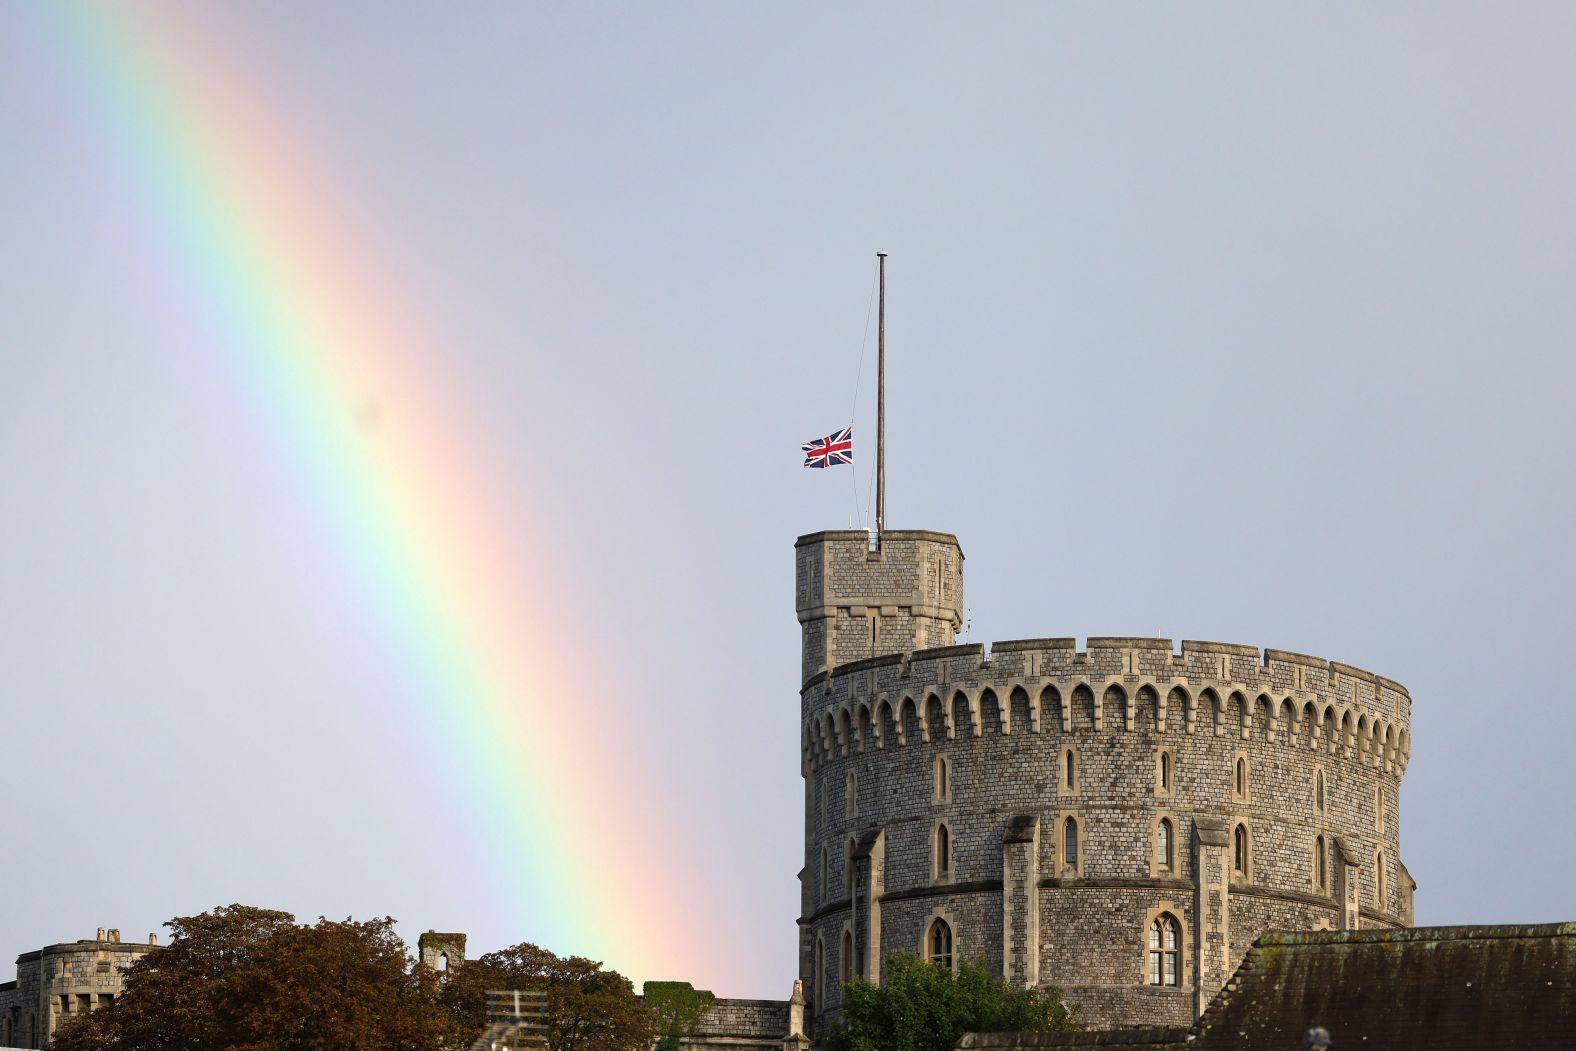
[[1240, 851], [1165, 772], [943, 852], [1163, 840], [1070, 842]]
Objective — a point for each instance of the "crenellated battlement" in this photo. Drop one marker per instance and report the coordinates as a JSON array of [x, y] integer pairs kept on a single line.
[[1111, 684]]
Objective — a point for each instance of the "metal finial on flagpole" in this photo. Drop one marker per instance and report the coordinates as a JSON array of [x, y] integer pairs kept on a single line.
[[881, 404]]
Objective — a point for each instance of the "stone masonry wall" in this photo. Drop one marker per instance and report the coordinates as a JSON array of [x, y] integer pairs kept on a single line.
[[905, 735], [1003, 726]]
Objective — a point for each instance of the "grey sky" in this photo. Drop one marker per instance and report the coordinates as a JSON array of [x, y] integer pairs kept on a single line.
[[1246, 323]]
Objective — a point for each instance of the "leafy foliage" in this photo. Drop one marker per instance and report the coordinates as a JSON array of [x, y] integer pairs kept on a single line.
[[927, 1006], [252, 979], [588, 1009], [675, 1007]]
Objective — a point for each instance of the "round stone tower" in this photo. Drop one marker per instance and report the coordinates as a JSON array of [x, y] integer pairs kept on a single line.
[[1119, 821]]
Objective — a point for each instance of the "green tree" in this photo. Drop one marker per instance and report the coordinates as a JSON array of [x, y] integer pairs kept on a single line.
[[675, 1008], [927, 1006], [588, 1008], [252, 979]]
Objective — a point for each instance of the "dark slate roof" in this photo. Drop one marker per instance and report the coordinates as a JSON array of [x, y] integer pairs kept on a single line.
[[1434, 988], [1111, 1039], [1418, 989]]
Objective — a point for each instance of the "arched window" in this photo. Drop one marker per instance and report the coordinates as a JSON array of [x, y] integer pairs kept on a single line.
[[826, 876], [443, 967], [1070, 842], [1242, 776], [848, 867], [943, 852], [1239, 863], [852, 807], [938, 942], [1165, 771], [1320, 875], [848, 957], [943, 779], [1379, 809], [1163, 840], [1165, 950], [1070, 770], [1318, 790], [1379, 898]]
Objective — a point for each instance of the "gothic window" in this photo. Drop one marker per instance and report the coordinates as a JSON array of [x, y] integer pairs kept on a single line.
[[938, 942], [1379, 809], [1320, 873], [1165, 771], [852, 802], [1318, 790], [943, 852], [943, 779], [1379, 896], [1165, 950], [1242, 777], [1070, 842], [848, 957], [1163, 843], [1069, 778], [1240, 849]]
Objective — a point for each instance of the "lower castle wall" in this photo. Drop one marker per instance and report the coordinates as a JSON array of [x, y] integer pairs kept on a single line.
[[740, 1025]]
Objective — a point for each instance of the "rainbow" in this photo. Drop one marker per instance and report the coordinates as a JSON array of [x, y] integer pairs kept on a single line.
[[227, 197]]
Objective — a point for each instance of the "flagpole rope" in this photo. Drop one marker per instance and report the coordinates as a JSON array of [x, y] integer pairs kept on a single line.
[[853, 410]]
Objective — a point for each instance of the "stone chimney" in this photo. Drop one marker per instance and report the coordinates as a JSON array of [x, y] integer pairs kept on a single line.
[[100, 936]]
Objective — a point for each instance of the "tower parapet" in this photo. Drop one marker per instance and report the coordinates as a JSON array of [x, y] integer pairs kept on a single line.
[[858, 600]]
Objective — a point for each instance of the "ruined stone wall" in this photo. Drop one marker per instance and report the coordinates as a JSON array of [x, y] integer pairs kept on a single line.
[[1323, 747]]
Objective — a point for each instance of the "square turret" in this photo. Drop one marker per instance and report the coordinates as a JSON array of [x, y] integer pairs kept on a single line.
[[859, 600]]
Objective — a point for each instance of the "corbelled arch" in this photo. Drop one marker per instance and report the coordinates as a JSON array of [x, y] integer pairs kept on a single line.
[[1113, 697], [1146, 701], [908, 719], [1209, 701], [1020, 709], [987, 702], [965, 713], [1061, 705], [887, 726], [935, 725]]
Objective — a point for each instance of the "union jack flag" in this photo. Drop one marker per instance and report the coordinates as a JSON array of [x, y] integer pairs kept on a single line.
[[834, 449]]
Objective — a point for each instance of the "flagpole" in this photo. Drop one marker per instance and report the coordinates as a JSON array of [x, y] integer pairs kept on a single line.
[[881, 404]]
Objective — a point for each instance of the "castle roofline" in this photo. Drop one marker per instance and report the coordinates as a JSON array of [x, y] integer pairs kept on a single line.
[[1462, 932], [1263, 658], [83, 946], [886, 534]]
